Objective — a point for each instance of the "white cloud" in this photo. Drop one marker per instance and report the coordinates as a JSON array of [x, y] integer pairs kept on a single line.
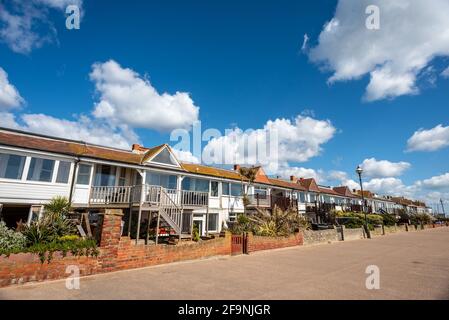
[[9, 96], [429, 140], [285, 140], [412, 33], [83, 128], [126, 97], [445, 73], [185, 156], [337, 175], [300, 172], [383, 168], [436, 182], [25, 25]]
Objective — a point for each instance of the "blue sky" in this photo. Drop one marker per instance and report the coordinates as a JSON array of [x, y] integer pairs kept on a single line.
[[241, 64]]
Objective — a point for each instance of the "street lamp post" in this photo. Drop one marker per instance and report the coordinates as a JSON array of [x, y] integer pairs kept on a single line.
[[359, 171]]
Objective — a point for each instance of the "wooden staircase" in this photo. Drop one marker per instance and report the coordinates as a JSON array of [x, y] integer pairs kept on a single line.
[[171, 212]]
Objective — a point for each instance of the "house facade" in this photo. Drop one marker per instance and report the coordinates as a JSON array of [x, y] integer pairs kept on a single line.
[[155, 190]]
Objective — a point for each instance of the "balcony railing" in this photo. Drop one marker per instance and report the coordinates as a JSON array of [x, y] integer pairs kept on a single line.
[[149, 194], [111, 195], [259, 200]]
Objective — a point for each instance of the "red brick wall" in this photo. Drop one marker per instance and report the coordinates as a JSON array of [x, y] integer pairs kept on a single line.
[[136, 256], [257, 243], [115, 254], [25, 267]]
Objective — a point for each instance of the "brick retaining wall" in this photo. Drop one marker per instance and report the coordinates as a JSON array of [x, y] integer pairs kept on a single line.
[[257, 243], [120, 253]]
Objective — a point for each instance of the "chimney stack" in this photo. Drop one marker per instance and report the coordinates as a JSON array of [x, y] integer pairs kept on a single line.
[[236, 167], [137, 148], [293, 179]]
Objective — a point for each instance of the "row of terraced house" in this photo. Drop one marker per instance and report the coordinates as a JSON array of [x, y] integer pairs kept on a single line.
[[153, 187]]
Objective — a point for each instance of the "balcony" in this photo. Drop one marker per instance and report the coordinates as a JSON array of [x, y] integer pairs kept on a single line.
[[269, 201], [147, 195]]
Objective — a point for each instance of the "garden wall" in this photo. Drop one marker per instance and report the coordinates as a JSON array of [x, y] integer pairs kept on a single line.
[[353, 234], [320, 236], [27, 267], [116, 253], [257, 243]]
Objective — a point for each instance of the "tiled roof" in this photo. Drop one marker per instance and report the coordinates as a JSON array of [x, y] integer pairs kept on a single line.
[[286, 184], [329, 191], [67, 147], [345, 192], [309, 184], [212, 171]]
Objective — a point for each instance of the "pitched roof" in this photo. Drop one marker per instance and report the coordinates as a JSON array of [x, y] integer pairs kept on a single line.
[[286, 184], [66, 147], [329, 190], [309, 184], [211, 171], [345, 192]]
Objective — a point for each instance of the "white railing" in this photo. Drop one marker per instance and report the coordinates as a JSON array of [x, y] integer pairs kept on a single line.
[[149, 194], [110, 195], [259, 200]]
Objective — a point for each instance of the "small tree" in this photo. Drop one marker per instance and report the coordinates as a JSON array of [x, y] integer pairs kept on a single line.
[[250, 175], [58, 206]]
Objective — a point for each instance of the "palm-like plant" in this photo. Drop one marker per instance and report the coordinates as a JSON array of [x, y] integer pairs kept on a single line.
[[52, 225], [250, 175], [58, 206]]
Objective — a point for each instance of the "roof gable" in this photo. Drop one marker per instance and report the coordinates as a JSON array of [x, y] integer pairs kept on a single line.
[[310, 184], [162, 155]]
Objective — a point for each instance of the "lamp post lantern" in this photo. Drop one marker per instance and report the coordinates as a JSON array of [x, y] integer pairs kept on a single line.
[[359, 171]]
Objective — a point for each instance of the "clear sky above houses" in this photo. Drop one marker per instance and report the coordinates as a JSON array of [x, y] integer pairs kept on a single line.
[[340, 94]]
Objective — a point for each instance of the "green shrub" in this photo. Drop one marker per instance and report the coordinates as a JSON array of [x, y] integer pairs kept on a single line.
[[390, 219], [10, 240], [77, 247], [196, 234]]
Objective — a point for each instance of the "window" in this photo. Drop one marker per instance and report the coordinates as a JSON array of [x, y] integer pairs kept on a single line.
[[164, 157], [261, 192], [225, 188], [302, 197], [161, 179], [212, 223], [11, 166], [84, 174], [63, 172], [105, 176], [122, 177], [313, 197], [214, 188], [41, 170], [192, 184], [236, 190]]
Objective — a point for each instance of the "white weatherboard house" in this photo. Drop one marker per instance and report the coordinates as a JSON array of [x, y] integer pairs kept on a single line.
[[155, 190]]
